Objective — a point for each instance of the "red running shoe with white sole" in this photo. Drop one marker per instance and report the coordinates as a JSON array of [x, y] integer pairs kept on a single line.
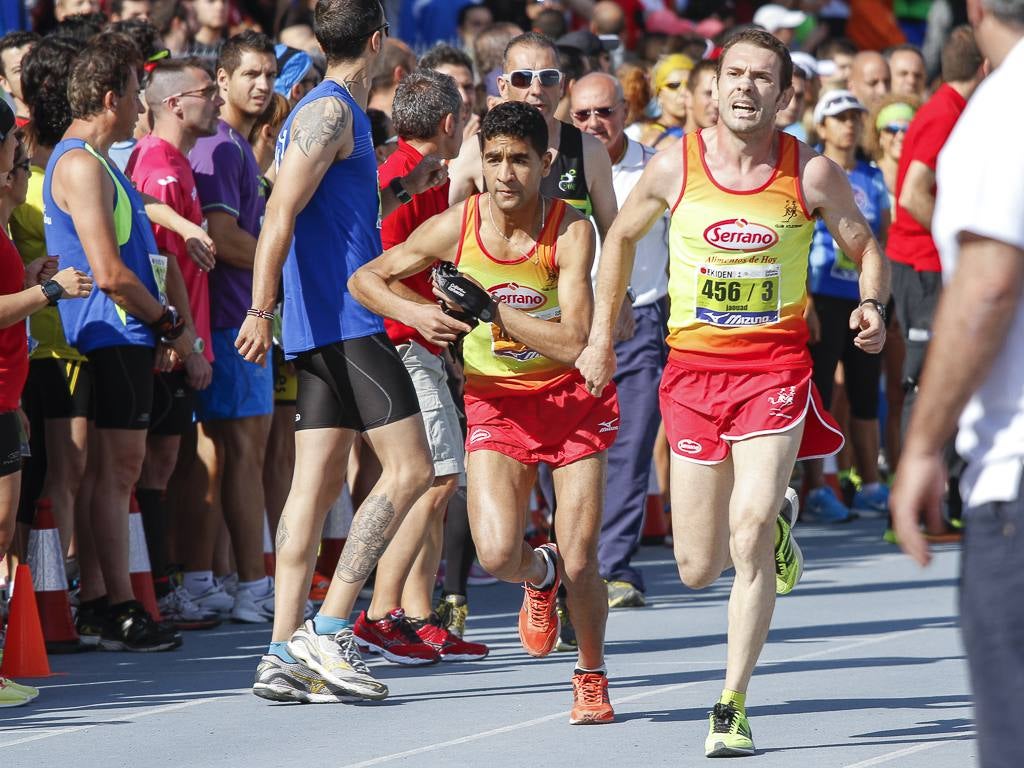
[[590, 704], [538, 619], [393, 638], [451, 647]]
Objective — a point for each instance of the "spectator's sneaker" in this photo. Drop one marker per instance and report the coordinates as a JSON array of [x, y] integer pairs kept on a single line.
[[789, 560], [566, 631], [452, 612], [478, 577], [394, 638], [449, 646], [318, 589], [590, 704], [89, 623], [215, 599], [729, 734], [280, 680], [179, 611], [538, 619], [10, 696], [336, 659], [228, 583], [131, 628], [252, 607], [872, 500], [823, 506], [889, 537], [25, 690], [622, 594]]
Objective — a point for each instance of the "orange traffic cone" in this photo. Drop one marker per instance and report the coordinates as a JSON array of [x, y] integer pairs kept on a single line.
[[336, 526], [25, 648], [50, 583], [138, 562], [656, 524], [269, 560]]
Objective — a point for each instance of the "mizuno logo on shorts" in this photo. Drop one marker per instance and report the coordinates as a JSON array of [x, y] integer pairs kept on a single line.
[[478, 435], [608, 426]]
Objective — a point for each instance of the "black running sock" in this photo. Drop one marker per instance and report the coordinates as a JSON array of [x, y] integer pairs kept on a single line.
[[153, 505], [458, 544], [98, 604]]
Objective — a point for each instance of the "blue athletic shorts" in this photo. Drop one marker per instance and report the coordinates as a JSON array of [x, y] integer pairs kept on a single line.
[[239, 388]]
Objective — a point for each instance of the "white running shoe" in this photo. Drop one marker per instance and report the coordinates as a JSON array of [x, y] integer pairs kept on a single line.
[[178, 608], [214, 599], [253, 608], [337, 660]]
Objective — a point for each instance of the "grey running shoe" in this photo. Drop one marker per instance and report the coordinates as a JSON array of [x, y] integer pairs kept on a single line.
[[280, 680], [622, 594], [177, 608], [336, 658]]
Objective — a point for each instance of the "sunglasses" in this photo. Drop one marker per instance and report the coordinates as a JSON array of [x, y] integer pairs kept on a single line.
[[523, 78], [895, 128], [209, 93], [582, 115], [384, 28], [673, 86]]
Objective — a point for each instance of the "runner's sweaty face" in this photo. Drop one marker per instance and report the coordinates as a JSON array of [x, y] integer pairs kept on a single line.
[[513, 171], [749, 89]]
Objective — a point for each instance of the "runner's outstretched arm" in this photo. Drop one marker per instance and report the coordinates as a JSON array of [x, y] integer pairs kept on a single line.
[[375, 285], [657, 190], [321, 133]]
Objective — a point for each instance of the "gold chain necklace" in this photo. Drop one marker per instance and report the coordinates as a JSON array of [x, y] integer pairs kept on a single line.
[[503, 236]]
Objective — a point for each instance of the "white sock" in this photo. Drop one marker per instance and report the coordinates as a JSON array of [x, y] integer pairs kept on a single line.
[[260, 586], [197, 582], [603, 669], [549, 574]]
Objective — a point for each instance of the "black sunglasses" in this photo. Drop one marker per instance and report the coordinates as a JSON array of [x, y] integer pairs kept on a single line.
[[582, 115], [384, 28]]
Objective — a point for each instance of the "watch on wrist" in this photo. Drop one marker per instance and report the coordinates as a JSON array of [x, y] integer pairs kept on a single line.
[[399, 190], [52, 291], [879, 307], [198, 346], [169, 326]]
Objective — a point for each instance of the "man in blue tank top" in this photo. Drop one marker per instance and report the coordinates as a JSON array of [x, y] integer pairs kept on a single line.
[[321, 225], [96, 221]]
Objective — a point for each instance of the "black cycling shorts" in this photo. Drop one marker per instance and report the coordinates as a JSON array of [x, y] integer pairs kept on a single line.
[[58, 389], [174, 404], [356, 384], [123, 386], [10, 443]]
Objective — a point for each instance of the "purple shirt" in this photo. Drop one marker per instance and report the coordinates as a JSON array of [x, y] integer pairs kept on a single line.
[[228, 180]]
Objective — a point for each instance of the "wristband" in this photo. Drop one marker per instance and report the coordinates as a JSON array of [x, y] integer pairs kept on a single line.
[[261, 314], [879, 307]]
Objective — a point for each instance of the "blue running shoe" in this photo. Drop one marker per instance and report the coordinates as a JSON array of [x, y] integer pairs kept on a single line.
[[872, 500], [822, 505]]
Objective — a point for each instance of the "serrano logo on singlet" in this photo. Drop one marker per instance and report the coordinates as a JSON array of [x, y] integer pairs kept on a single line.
[[518, 296], [740, 235]]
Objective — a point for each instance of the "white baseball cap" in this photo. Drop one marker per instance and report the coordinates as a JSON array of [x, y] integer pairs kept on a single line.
[[807, 64], [775, 17], [835, 103]]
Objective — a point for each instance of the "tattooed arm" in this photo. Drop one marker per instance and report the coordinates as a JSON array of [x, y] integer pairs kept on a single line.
[[321, 133]]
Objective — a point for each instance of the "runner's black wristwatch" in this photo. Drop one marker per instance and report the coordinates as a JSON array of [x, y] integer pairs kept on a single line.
[[401, 193], [879, 306], [52, 291], [169, 326]]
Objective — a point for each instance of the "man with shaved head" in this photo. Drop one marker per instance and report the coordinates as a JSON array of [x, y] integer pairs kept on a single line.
[[869, 77], [183, 102], [909, 74], [598, 108]]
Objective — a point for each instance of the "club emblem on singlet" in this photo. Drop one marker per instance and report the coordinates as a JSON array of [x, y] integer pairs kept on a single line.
[[567, 182]]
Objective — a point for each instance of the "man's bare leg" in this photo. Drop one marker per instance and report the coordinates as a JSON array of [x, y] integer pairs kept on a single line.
[[66, 451], [579, 488]]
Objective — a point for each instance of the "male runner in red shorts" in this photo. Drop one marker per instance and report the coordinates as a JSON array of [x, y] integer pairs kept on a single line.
[[525, 403], [736, 397]]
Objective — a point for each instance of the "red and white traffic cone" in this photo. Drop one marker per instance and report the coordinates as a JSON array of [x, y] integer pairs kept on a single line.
[[49, 581], [139, 568], [269, 558]]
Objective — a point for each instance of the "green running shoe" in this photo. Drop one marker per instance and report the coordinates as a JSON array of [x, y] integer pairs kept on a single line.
[[566, 634], [729, 734], [789, 560]]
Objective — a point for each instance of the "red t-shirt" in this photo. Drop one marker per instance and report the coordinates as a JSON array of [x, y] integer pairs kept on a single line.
[[13, 339], [909, 242], [397, 227], [159, 169]]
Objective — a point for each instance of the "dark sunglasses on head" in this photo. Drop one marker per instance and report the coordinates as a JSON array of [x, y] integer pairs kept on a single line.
[[582, 115], [523, 78], [895, 128]]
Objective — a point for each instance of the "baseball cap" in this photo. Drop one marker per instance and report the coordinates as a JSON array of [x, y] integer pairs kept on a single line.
[[808, 64], [835, 103], [774, 17], [292, 66], [667, 23], [586, 42]]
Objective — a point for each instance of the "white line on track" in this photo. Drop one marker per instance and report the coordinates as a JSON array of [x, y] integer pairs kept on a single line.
[[620, 700], [890, 756]]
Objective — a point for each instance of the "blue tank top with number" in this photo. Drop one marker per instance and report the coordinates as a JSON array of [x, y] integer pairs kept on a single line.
[[96, 322], [335, 234]]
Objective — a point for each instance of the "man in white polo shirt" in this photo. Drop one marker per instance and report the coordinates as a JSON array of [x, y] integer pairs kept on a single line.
[[975, 365], [597, 108]]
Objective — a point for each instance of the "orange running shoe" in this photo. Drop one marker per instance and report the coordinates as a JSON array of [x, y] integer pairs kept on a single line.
[[590, 705], [538, 619]]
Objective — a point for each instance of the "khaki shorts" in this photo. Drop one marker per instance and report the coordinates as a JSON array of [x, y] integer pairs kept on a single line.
[[440, 417]]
